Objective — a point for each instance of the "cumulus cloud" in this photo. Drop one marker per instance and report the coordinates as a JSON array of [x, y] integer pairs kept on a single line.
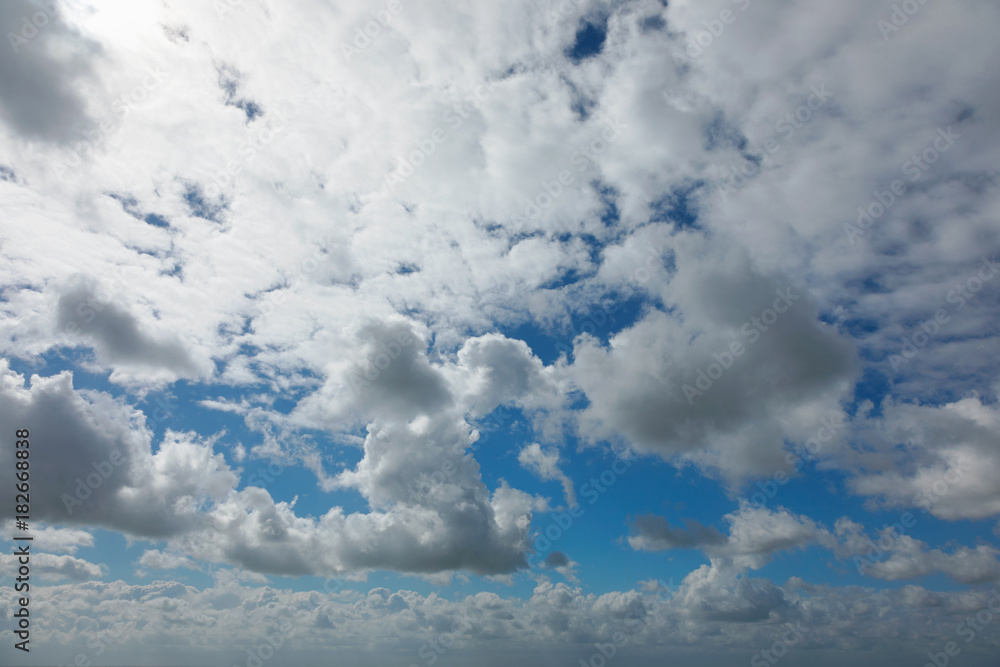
[[740, 362], [497, 370], [101, 470], [654, 533], [910, 558], [892, 555], [116, 334], [755, 533], [50, 567], [155, 559], [951, 453], [561, 563], [710, 609], [51, 538], [430, 514], [718, 592], [601, 242]]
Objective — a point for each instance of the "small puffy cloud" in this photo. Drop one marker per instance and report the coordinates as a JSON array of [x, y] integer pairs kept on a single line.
[[51, 538], [759, 530], [654, 533], [755, 533], [382, 368], [545, 464], [155, 559], [561, 563], [53, 567], [495, 370], [556, 559]]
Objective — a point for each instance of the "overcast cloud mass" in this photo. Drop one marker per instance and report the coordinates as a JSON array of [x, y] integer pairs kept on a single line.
[[542, 332]]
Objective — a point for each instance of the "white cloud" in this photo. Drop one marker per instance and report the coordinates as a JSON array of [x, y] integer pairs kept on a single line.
[[545, 464], [951, 453], [51, 538], [755, 533], [893, 555], [713, 609], [675, 385], [159, 560], [719, 592], [100, 469], [116, 335], [910, 559], [430, 509], [51, 567], [263, 255]]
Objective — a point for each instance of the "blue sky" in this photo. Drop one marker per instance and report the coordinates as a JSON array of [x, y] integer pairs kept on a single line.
[[576, 331]]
